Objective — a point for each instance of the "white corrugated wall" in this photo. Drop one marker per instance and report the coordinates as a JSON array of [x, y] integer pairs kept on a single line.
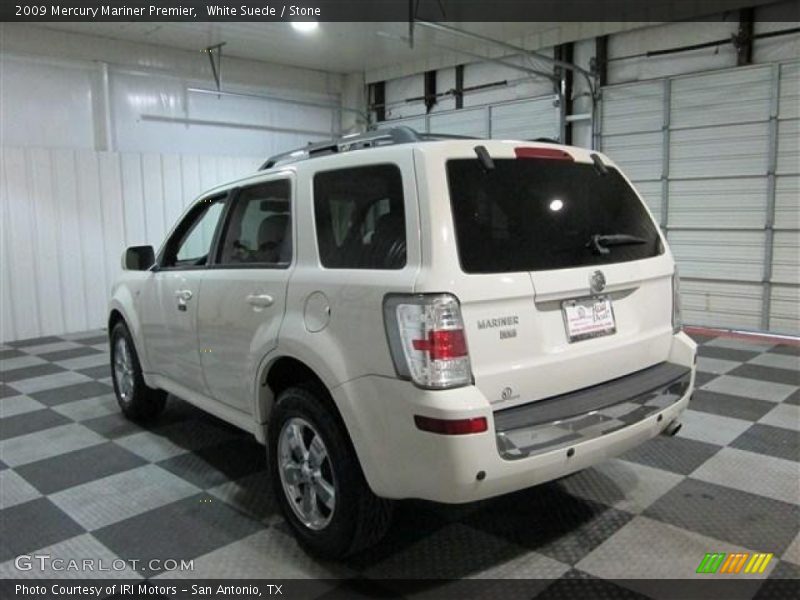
[[68, 214], [715, 156], [518, 119]]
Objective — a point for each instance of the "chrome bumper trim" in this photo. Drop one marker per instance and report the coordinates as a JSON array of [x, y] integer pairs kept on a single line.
[[576, 417]]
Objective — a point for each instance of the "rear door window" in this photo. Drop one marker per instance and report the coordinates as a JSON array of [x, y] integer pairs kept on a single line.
[[360, 218], [534, 214]]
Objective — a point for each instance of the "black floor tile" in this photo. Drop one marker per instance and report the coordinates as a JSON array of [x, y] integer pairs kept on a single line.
[[12, 353], [550, 521], [675, 454], [791, 350], [701, 338], [577, 584], [3, 465], [93, 341], [730, 515], [181, 530], [794, 398], [727, 405], [762, 373], [774, 441], [7, 392], [29, 372], [30, 422], [215, 465], [112, 426], [70, 353], [75, 468], [726, 353], [412, 522], [34, 525], [99, 372], [701, 378], [70, 393], [48, 339]]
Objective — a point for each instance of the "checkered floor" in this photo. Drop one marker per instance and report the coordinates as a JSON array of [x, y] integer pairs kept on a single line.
[[77, 480]]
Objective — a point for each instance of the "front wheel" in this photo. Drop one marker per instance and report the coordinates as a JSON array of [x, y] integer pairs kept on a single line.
[[318, 480], [137, 401]]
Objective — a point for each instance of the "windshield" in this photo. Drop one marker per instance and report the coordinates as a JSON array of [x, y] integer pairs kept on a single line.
[[531, 214]]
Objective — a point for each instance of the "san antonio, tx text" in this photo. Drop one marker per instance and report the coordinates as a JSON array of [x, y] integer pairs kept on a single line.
[[147, 589]]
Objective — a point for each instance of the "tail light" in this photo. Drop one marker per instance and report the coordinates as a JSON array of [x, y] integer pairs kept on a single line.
[[677, 320], [426, 339]]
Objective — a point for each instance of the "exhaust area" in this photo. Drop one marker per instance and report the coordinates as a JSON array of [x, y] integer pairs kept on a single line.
[[672, 428]]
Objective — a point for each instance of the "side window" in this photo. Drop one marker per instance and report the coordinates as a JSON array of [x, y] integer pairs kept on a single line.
[[190, 245], [260, 228], [360, 218]]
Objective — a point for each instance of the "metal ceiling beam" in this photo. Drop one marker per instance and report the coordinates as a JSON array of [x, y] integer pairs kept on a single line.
[[500, 61], [516, 49], [216, 67], [286, 100]]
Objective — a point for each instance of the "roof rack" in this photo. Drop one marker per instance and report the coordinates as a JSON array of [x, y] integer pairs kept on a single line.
[[357, 141]]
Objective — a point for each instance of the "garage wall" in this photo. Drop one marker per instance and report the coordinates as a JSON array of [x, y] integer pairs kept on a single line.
[[523, 119], [514, 104], [86, 171], [716, 157], [77, 91], [68, 214], [712, 147]]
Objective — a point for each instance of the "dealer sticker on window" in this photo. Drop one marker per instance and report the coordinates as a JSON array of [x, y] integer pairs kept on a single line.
[[586, 318]]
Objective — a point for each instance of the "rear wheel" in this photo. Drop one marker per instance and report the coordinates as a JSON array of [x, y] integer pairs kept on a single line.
[[318, 480], [137, 401]]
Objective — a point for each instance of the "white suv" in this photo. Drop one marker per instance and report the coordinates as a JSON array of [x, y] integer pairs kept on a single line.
[[399, 315]]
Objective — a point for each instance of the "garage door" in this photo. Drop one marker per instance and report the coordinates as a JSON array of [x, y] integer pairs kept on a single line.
[[520, 120], [716, 158]]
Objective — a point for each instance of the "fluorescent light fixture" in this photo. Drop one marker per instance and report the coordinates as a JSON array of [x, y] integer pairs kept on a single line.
[[305, 26]]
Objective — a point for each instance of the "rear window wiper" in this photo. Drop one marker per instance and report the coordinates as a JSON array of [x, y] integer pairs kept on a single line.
[[598, 242]]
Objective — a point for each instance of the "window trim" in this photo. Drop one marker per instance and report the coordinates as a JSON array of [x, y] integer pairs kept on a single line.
[[234, 199], [182, 227], [383, 163]]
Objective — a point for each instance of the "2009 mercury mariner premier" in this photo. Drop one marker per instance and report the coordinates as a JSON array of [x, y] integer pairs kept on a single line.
[[403, 315]]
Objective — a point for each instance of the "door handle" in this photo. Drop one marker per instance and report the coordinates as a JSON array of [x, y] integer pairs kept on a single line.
[[183, 295], [260, 300]]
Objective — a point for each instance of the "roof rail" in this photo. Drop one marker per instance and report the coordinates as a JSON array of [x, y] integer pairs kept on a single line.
[[356, 141]]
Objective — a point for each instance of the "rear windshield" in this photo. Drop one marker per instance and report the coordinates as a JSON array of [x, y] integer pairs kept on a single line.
[[533, 214]]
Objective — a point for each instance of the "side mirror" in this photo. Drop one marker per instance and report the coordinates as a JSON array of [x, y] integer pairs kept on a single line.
[[138, 258]]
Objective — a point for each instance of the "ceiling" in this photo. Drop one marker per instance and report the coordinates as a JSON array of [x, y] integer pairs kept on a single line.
[[339, 47]]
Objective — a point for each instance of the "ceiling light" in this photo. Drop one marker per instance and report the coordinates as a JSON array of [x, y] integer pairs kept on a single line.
[[556, 205], [305, 26]]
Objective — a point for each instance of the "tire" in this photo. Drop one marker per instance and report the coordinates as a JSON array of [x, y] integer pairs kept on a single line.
[[358, 518], [137, 401]]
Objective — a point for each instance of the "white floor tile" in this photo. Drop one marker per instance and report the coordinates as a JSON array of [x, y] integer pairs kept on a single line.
[[711, 428], [750, 472], [121, 496], [750, 388]]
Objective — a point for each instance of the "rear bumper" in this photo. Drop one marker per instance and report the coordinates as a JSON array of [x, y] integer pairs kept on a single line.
[[580, 430], [569, 419]]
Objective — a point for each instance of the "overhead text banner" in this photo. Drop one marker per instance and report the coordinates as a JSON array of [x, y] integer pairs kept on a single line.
[[378, 10]]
